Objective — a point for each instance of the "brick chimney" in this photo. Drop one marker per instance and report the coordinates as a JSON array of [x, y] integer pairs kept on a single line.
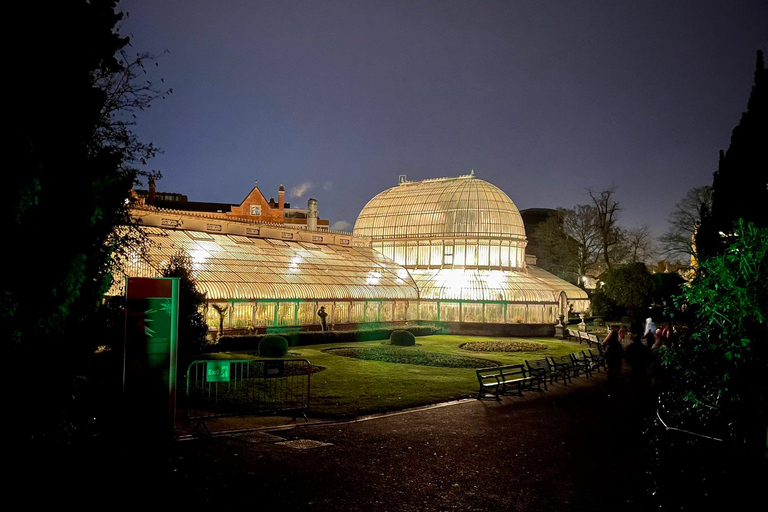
[[152, 191], [281, 198]]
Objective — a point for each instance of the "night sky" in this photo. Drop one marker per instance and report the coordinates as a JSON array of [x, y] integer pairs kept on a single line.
[[335, 99]]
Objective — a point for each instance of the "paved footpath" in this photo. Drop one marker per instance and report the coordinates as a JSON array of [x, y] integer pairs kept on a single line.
[[572, 448]]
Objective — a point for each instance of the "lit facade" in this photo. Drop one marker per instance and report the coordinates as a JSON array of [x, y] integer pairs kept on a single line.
[[463, 241], [445, 250]]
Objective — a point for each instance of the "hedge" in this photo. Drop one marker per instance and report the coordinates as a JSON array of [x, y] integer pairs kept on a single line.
[[402, 338], [303, 338], [273, 346]]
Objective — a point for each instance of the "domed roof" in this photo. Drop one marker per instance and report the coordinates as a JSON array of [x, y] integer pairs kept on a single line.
[[458, 207]]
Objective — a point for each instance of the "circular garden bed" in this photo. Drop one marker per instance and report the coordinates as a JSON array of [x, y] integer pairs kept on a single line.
[[411, 356], [503, 346]]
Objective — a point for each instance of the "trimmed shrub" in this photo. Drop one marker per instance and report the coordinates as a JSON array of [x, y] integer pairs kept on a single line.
[[231, 343], [273, 346], [402, 338]]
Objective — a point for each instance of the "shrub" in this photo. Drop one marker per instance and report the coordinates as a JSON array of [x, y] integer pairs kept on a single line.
[[402, 338], [273, 346], [230, 343]]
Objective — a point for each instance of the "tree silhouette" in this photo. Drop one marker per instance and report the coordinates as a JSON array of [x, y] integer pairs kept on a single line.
[[685, 220], [192, 327], [740, 184], [75, 92], [607, 215]]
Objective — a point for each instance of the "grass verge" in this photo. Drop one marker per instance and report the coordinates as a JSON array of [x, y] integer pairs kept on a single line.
[[353, 387]]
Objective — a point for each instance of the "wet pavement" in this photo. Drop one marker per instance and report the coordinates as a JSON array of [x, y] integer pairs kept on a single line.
[[572, 448]]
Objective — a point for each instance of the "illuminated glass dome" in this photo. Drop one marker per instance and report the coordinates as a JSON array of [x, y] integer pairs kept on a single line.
[[463, 241], [463, 206], [461, 222]]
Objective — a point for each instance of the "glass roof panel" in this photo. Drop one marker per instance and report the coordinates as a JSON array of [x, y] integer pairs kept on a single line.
[[227, 270], [439, 208]]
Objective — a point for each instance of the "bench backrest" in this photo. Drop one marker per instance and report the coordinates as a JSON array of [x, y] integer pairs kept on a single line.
[[577, 357], [560, 361], [512, 370], [538, 364], [498, 371]]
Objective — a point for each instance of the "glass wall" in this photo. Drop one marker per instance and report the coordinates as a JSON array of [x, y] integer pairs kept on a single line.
[[286, 313], [386, 311], [357, 312], [265, 314], [341, 312], [535, 314], [400, 307], [449, 311], [471, 312], [306, 314], [494, 313], [242, 314], [516, 313], [372, 311], [428, 311], [412, 312]]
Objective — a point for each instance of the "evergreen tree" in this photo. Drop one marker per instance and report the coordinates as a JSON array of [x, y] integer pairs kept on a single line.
[[740, 185], [192, 327], [75, 161]]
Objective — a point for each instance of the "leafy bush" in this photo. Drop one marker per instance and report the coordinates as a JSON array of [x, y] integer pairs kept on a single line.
[[273, 346], [402, 338], [717, 373]]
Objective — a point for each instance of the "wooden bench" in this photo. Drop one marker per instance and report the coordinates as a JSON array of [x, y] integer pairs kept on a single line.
[[501, 380], [560, 367]]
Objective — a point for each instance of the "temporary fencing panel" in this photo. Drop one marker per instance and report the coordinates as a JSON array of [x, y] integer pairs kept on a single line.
[[234, 387]]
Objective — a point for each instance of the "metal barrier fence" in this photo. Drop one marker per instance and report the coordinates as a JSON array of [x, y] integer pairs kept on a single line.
[[236, 387]]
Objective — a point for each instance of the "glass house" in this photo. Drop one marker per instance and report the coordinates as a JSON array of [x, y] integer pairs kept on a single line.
[[449, 250], [463, 242]]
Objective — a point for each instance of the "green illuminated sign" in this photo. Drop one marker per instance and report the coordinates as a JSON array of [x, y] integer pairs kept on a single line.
[[151, 336], [217, 371]]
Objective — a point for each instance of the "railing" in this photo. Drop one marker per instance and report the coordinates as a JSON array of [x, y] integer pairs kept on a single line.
[[237, 387]]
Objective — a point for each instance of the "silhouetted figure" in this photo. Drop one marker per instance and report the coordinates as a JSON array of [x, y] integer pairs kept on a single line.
[[639, 358], [323, 315], [650, 338], [614, 353]]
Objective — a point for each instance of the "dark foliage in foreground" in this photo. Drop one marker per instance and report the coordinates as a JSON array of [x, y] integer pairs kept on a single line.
[[75, 160]]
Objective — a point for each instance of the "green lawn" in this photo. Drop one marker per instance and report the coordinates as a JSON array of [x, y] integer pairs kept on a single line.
[[353, 387]]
